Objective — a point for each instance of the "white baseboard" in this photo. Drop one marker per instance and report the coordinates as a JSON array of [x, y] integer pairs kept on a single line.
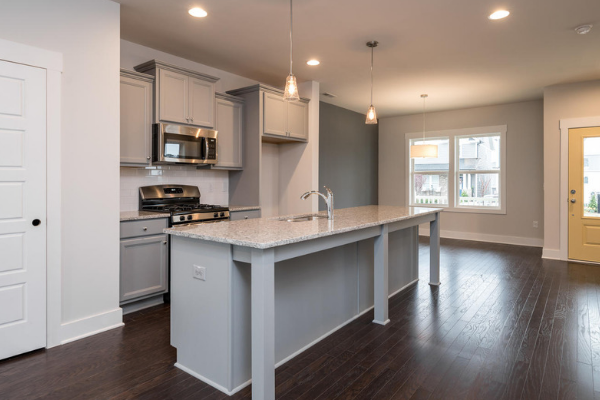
[[211, 383], [89, 326], [142, 304], [551, 254], [484, 237]]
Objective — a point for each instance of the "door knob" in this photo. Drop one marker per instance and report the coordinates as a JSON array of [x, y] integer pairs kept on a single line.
[[573, 191], [36, 222], [572, 200]]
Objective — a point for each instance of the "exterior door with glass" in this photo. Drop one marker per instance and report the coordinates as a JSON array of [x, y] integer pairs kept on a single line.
[[584, 194]]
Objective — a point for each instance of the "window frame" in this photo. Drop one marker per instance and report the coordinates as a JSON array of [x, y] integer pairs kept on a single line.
[[453, 136]]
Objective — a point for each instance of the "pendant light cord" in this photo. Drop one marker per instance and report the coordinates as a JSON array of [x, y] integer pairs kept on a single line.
[[372, 75], [424, 99], [291, 34]]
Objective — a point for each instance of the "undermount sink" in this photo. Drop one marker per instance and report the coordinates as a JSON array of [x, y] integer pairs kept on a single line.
[[305, 219]]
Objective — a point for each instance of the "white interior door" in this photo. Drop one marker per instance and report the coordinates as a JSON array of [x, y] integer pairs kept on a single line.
[[22, 209]]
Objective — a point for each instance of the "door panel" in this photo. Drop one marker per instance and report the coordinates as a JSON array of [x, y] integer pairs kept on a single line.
[[229, 126], [143, 266], [173, 89], [298, 120], [22, 199], [584, 194], [136, 121], [202, 100], [275, 115]]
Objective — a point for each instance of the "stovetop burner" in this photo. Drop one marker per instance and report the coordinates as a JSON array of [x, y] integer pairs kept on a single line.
[[178, 208]]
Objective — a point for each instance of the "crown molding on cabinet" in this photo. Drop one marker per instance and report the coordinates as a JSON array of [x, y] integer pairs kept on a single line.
[[137, 75], [260, 86], [225, 96], [157, 64]]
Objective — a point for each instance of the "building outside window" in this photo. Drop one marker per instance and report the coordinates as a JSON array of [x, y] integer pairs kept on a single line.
[[467, 175]]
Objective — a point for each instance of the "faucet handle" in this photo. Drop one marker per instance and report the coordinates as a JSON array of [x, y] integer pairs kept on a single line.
[[329, 192]]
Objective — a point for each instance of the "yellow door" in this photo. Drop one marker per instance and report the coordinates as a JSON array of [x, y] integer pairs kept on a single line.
[[584, 194]]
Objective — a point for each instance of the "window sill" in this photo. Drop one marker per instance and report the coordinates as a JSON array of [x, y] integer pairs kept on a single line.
[[470, 210]]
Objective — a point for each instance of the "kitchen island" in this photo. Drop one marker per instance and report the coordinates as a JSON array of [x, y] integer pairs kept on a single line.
[[248, 295]]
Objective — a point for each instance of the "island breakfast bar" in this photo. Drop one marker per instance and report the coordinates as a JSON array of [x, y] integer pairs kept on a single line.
[[201, 314]]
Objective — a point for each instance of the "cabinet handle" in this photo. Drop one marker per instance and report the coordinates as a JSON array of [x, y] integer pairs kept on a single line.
[[192, 119], [147, 158], [165, 242], [145, 228], [187, 119], [246, 217]]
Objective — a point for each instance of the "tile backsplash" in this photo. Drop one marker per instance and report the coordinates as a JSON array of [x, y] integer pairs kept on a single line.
[[213, 184]]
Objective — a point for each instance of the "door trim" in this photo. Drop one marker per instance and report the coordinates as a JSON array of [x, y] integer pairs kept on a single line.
[[565, 124], [52, 62]]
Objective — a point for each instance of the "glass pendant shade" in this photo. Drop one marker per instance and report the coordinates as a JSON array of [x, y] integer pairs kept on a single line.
[[423, 151], [291, 89], [371, 116]]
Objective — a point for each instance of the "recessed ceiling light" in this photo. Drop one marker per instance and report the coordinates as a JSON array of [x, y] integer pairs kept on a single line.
[[499, 14], [197, 12], [313, 62], [583, 29]]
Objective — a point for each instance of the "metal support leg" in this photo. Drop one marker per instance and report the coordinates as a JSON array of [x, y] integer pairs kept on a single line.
[[434, 251], [381, 277], [263, 324]]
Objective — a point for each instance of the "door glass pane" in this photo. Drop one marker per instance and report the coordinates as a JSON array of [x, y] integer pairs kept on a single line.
[[183, 147], [479, 153], [430, 189], [440, 163], [591, 176], [479, 190]]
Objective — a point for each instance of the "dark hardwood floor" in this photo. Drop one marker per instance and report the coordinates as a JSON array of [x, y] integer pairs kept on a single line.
[[505, 324]]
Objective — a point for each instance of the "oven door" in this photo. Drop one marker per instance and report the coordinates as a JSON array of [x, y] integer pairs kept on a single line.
[[184, 145]]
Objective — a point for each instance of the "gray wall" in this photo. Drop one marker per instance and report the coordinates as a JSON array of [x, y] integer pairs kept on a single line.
[[524, 174], [348, 152]]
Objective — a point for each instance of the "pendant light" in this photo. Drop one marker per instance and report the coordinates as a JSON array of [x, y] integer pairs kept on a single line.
[[424, 150], [371, 113], [291, 87]]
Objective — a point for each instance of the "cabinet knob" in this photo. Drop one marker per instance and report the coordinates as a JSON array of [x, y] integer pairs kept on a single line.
[[192, 119], [165, 242], [246, 217], [145, 228], [147, 158]]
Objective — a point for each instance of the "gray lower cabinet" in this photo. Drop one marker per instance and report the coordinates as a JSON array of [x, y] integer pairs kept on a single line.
[[239, 215], [136, 118], [144, 260]]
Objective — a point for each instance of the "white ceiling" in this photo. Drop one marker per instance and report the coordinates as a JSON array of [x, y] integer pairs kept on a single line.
[[448, 49]]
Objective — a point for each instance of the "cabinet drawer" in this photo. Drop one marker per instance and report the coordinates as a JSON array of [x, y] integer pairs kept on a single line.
[[239, 215], [143, 227]]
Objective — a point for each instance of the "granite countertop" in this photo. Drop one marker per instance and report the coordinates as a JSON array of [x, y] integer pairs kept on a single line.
[[264, 233], [136, 215], [243, 208]]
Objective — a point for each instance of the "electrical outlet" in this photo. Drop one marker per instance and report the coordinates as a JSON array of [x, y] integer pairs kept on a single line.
[[199, 272], [535, 224]]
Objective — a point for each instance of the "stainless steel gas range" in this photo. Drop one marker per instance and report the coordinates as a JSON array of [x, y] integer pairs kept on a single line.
[[182, 202]]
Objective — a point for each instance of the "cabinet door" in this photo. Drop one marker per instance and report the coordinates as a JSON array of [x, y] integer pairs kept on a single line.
[[202, 103], [229, 126], [274, 115], [136, 121], [298, 120], [173, 100], [144, 264]]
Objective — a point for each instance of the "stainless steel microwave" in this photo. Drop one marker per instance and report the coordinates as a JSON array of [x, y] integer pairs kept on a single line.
[[182, 144]]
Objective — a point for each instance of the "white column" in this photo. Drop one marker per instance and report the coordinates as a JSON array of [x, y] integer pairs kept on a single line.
[[381, 277], [263, 324], [434, 251]]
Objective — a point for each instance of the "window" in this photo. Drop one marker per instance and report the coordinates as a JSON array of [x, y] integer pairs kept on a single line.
[[467, 176]]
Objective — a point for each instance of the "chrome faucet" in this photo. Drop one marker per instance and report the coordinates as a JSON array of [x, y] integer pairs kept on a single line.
[[328, 200]]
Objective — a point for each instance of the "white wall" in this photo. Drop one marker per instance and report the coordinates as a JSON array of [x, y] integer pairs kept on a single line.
[[86, 32], [525, 201], [576, 100], [213, 185]]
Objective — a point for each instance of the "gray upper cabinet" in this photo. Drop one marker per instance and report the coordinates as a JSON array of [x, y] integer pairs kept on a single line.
[[136, 118], [275, 115], [297, 117], [229, 124], [181, 95], [173, 101]]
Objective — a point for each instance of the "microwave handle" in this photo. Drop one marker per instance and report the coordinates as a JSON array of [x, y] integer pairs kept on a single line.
[[204, 149]]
